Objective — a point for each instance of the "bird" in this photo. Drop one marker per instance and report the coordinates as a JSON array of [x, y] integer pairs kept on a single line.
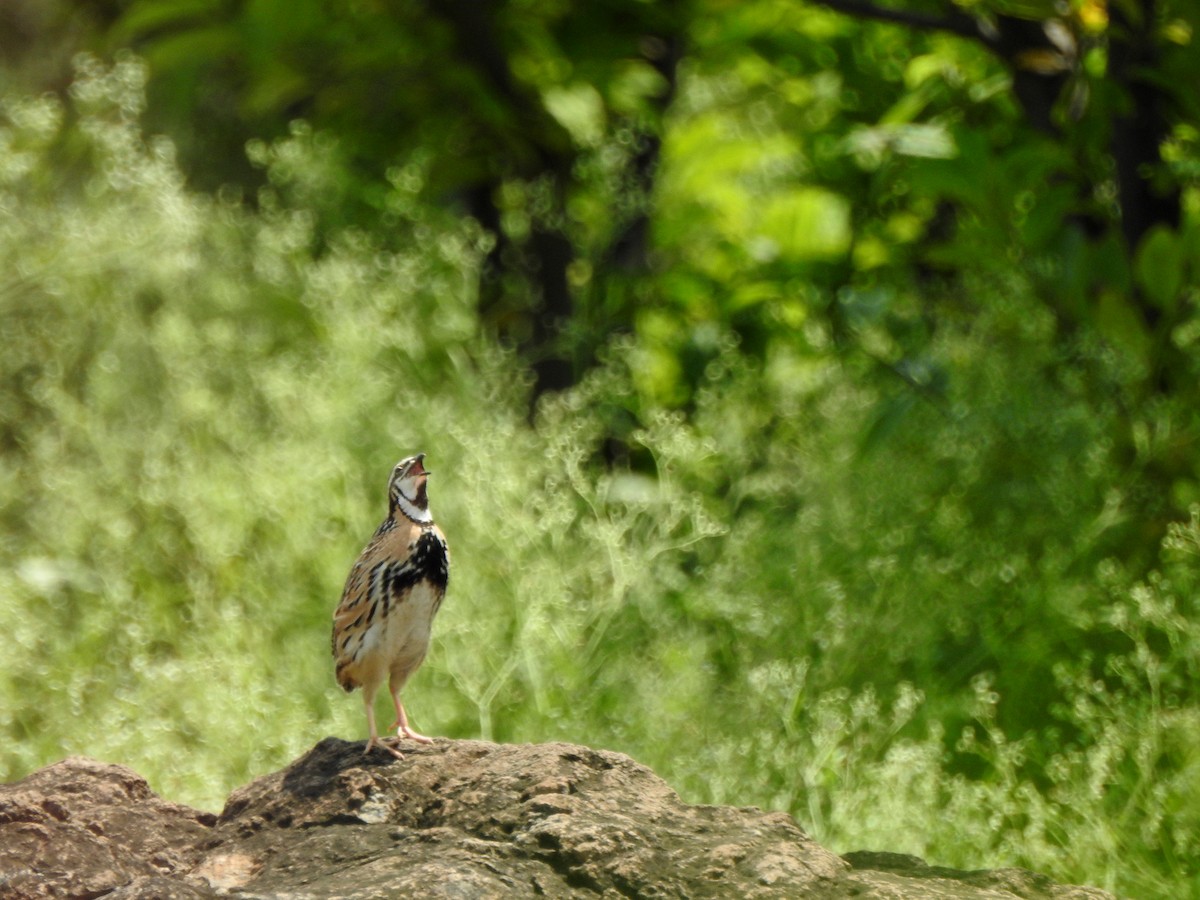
[[382, 625]]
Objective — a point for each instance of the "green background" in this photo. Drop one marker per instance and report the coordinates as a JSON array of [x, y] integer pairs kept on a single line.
[[810, 389]]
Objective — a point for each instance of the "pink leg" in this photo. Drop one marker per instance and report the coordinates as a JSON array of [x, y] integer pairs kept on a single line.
[[376, 740], [401, 723]]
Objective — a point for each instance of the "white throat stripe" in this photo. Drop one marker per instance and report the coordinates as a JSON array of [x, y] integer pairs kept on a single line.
[[407, 507]]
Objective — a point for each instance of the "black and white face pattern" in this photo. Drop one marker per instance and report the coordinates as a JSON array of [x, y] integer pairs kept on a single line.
[[407, 489]]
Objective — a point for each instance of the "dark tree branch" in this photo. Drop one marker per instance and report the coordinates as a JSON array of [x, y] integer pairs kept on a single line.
[[1140, 129], [477, 33], [543, 148], [629, 250]]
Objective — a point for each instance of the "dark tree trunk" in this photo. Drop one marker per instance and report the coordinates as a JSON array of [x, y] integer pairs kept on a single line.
[[1139, 130]]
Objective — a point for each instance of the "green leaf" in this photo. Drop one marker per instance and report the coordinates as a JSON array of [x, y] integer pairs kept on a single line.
[[146, 18], [1158, 267], [1118, 320], [888, 416], [182, 52], [808, 223], [579, 108]]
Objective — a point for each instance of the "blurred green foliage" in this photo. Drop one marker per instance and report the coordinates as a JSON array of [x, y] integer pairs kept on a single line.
[[661, 168], [869, 490]]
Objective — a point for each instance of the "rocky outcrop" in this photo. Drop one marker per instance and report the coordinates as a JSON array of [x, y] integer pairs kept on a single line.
[[455, 819], [81, 828]]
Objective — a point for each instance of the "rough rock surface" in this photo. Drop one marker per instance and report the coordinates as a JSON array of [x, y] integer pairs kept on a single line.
[[456, 819], [80, 828]]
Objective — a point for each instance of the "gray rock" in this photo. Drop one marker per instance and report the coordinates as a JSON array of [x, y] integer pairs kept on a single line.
[[456, 819]]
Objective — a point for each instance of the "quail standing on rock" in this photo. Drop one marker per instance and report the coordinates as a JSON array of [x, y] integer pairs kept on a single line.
[[382, 625]]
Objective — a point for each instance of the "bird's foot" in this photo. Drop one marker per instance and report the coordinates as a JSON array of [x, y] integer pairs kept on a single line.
[[403, 731], [384, 744]]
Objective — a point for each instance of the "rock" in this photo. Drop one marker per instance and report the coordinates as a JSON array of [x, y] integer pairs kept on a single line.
[[455, 819], [908, 872], [81, 828]]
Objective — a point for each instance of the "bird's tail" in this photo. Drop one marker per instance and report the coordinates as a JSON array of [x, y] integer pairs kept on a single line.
[[344, 678]]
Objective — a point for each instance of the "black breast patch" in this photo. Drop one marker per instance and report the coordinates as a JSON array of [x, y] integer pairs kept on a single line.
[[428, 562]]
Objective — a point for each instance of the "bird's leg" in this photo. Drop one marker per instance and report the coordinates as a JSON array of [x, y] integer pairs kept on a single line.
[[376, 740], [401, 723]]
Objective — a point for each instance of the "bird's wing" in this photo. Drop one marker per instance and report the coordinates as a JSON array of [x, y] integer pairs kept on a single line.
[[359, 608], [381, 577]]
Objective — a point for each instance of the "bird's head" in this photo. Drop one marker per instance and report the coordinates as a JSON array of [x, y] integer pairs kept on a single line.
[[406, 489]]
